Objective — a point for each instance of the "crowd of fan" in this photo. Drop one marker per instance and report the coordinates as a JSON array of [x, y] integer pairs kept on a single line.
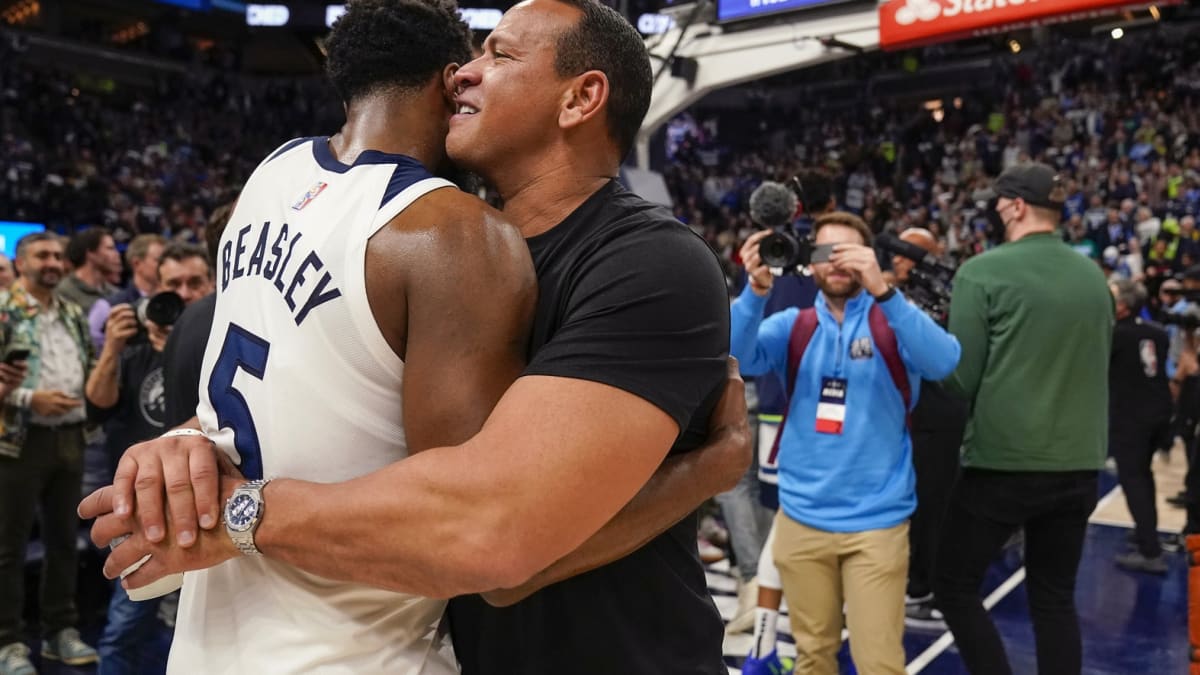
[[1119, 119], [140, 160]]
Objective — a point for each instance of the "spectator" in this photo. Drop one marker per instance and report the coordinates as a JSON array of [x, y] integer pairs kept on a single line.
[[141, 256], [1036, 436], [1139, 418], [93, 257], [41, 439]]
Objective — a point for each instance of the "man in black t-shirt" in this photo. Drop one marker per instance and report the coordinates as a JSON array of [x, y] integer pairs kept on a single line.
[[126, 390], [591, 456]]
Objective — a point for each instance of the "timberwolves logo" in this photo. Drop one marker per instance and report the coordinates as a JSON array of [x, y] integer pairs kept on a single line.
[[861, 349], [152, 400]]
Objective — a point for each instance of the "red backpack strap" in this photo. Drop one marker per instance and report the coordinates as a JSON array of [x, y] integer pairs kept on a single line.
[[885, 341], [802, 333]]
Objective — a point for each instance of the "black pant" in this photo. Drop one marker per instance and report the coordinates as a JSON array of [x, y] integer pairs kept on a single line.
[[1133, 444], [935, 461], [45, 479], [986, 508]]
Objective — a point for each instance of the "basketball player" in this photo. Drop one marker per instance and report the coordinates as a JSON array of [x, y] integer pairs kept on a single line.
[[629, 357]]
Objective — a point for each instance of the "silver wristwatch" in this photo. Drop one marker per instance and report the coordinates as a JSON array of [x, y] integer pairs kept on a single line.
[[243, 513]]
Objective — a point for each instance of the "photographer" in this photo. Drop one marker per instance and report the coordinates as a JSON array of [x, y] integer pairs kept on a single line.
[[938, 423], [126, 390], [1139, 417], [853, 364]]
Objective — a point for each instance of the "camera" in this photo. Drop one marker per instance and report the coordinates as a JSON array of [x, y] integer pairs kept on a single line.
[[162, 308], [1184, 320], [774, 205], [930, 282]]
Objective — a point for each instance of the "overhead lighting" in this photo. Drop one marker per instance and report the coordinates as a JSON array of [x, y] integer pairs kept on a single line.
[[1014, 46], [935, 104], [1155, 13], [1118, 33], [939, 115]]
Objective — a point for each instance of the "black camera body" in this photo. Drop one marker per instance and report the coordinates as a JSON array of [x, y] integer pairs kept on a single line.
[[930, 282], [163, 309]]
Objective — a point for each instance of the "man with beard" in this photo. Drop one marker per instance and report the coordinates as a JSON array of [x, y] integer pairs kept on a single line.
[[41, 453], [628, 360], [854, 365]]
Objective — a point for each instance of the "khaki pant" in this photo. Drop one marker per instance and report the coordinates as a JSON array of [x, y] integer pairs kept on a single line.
[[867, 571]]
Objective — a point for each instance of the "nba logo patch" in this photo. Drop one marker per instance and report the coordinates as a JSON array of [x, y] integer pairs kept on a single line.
[[309, 196], [861, 349]]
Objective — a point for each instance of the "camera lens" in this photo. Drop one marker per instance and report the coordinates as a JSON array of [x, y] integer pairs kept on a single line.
[[778, 249], [163, 309]]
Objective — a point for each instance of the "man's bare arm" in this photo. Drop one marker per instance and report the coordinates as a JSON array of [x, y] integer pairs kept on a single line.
[[676, 489]]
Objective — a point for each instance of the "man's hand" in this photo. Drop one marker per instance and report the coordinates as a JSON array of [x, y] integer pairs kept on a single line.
[[211, 549], [760, 276], [11, 376], [53, 403], [729, 422], [862, 263], [157, 335], [121, 326], [186, 469]]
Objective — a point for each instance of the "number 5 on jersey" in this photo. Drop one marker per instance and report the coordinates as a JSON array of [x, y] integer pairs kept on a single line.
[[246, 351]]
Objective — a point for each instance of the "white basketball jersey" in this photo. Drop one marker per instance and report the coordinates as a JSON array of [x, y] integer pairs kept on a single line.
[[298, 382]]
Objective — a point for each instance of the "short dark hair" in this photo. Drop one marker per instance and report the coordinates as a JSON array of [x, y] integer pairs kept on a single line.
[[84, 242], [603, 40], [217, 220], [179, 252], [845, 219], [817, 191], [394, 44], [24, 243]]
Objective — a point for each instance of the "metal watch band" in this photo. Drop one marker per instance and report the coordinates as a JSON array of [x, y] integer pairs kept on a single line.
[[244, 541]]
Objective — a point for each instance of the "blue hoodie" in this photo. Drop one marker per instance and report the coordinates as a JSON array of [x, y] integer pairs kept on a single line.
[[863, 478]]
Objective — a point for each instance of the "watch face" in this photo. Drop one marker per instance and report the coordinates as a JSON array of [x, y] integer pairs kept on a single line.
[[241, 512]]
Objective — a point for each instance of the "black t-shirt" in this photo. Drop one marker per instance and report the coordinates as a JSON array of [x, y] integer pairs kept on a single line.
[[140, 411], [631, 298], [1138, 392], [184, 357]]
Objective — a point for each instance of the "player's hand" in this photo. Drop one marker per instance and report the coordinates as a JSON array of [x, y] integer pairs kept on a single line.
[[182, 471], [862, 263], [53, 403], [729, 427], [760, 276], [121, 326], [212, 548]]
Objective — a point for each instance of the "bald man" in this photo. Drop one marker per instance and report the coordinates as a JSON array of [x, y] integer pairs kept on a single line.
[[938, 423]]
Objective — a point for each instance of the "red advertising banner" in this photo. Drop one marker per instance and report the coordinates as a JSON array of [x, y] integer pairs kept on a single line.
[[911, 23]]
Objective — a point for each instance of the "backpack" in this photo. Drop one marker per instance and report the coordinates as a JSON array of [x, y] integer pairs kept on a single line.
[[885, 341]]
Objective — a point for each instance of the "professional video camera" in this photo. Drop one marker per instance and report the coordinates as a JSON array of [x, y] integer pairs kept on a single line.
[[1189, 319], [774, 205], [929, 283]]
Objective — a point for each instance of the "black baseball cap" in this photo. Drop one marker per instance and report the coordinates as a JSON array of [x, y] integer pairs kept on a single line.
[[1034, 182]]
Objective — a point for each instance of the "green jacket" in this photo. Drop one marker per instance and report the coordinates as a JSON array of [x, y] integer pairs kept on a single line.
[[18, 311], [1035, 321]]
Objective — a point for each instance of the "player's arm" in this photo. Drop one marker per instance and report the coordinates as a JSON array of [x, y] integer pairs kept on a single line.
[[642, 349]]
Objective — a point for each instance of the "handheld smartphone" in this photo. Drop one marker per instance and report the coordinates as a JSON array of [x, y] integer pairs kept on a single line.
[[821, 253], [16, 354]]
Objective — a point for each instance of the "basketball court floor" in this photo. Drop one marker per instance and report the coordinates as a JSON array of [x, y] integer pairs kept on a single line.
[[1133, 624]]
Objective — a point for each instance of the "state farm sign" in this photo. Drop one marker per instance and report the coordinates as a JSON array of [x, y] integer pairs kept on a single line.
[[909, 23]]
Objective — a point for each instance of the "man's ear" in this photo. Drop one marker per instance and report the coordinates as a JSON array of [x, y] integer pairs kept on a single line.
[[448, 85], [584, 99]]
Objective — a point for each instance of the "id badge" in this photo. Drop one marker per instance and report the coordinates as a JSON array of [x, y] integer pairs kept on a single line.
[[831, 407]]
